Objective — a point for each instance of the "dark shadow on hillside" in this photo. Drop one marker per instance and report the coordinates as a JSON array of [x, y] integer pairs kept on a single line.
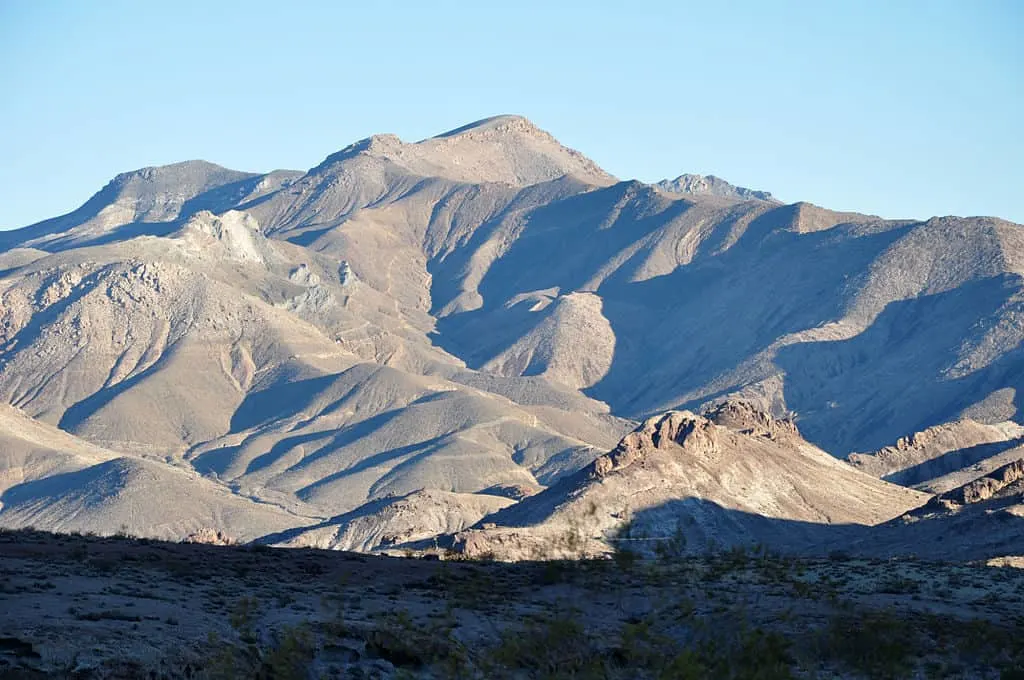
[[222, 198], [563, 243], [449, 269], [88, 210], [79, 412], [567, 242], [863, 393], [287, 399], [283, 399], [308, 237], [121, 233], [951, 461], [703, 526], [704, 319], [218, 460], [95, 479], [979, 532], [364, 510]]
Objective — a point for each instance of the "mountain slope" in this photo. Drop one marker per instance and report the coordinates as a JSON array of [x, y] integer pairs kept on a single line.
[[944, 456], [488, 308], [53, 479], [31, 450], [395, 521], [504, 149], [149, 196], [684, 475], [139, 497]]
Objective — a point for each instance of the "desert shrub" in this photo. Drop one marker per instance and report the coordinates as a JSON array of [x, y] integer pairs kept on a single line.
[[899, 585], [397, 639], [672, 547], [555, 647], [877, 644], [290, 657], [243, 618], [626, 558], [557, 571], [758, 655], [107, 614]]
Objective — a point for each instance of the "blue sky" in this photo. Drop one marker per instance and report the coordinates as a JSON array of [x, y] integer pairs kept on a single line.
[[902, 109]]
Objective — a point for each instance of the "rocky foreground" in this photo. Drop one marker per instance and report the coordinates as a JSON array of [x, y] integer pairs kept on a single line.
[[88, 607]]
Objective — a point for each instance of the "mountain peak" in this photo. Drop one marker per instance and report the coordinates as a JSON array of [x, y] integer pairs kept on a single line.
[[501, 123], [711, 185], [196, 171], [506, 149]]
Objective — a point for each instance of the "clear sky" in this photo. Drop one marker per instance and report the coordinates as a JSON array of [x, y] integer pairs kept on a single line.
[[898, 108]]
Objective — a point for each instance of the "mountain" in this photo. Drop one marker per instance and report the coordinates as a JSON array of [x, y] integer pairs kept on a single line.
[[737, 477], [709, 184], [982, 519], [409, 326]]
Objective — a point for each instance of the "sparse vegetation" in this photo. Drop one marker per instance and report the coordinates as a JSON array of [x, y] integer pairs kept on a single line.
[[745, 613]]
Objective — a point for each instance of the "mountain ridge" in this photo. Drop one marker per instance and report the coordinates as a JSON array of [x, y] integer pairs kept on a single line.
[[709, 184], [485, 309]]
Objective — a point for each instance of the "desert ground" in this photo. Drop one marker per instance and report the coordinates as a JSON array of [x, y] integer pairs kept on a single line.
[[74, 606]]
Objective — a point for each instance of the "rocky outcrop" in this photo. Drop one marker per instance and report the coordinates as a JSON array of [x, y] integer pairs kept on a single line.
[[944, 457], [210, 536], [992, 483], [694, 434], [986, 487], [754, 480], [232, 236], [745, 418]]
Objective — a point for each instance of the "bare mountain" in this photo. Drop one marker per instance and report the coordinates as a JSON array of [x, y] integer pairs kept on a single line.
[[982, 519], [502, 149], [484, 309], [51, 478], [709, 184], [221, 350], [683, 483], [150, 196]]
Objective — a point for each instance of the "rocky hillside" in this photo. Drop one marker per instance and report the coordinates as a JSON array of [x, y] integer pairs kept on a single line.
[[944, 456], [406, 327], [737, 477]]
